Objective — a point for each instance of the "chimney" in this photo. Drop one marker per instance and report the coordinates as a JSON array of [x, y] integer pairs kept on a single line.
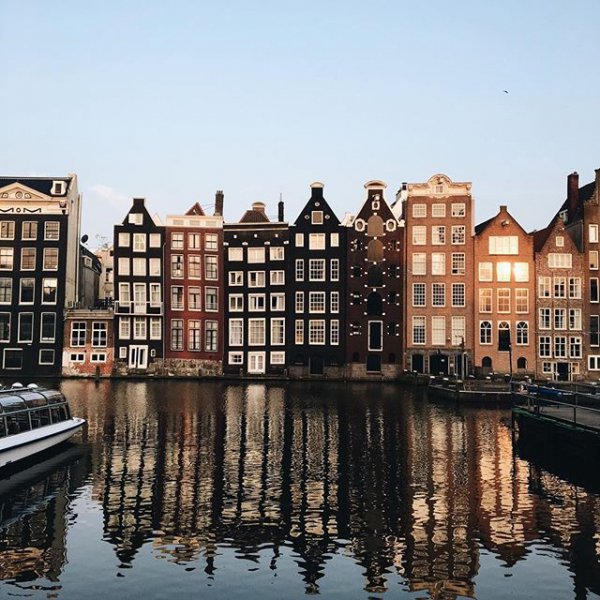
[[219, 197], [259, 207], [503, 208], [316, 190], [572, 193], [139, 202], [280, 211]]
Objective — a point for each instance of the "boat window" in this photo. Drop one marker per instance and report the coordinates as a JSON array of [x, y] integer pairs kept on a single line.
[[12, 403], [40, 418], [2, 426], [59, 413], [33, 399], [19, 422], [53, 396]]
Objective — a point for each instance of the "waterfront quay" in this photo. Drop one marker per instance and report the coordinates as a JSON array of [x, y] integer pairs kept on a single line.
[[345, 490]]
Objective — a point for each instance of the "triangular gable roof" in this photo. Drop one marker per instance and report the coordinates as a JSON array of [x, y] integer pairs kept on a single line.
[[479, 229], [39, 184], [29, 193], [196, 210], [317, 196], [542, 237]]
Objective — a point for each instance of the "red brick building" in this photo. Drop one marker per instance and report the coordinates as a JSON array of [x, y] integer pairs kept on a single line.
[[504, 296], [374, 293], [438, 335], [194, 291]]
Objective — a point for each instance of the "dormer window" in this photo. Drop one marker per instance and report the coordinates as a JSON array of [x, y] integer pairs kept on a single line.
[[58, 188], [136, 218], [560, 241]]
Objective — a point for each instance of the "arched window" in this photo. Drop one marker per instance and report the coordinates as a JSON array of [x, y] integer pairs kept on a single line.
[[522, 333], [375, 276], [375, 251], [375, 226], [485, 332], [374, 304], [486, 362], [521, 362]]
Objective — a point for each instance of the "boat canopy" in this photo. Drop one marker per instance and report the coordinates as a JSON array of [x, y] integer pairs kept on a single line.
[[29, 399]]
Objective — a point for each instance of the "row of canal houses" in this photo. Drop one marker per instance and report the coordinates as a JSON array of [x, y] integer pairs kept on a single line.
[[407, 284]]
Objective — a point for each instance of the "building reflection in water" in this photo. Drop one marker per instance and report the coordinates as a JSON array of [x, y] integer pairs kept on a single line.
[[408, 490], [34, 507]]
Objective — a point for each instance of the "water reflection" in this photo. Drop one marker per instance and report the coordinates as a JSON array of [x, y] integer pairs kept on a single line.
[[412, 493]]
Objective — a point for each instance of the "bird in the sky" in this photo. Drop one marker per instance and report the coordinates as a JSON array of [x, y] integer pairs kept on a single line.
[[505, 91]]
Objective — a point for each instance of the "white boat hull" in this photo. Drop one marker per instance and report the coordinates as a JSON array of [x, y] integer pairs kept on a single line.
[[23, 445]]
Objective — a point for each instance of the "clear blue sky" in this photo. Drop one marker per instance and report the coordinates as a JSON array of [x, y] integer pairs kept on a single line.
[[174, 100]]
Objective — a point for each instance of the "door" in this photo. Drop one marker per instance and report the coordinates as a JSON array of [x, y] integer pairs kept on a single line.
[[438, 364], [373, 363], [316, 365], [138, 357], [417, 363], [256, 362], [562, 371]]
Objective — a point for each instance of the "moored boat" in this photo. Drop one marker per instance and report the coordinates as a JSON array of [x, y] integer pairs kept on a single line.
[[33, 419]]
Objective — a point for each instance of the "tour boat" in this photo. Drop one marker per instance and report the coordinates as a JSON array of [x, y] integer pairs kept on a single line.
[[33, 419]]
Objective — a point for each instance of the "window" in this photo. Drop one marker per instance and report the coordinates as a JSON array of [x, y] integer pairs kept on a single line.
[[595, 330], [25, 327], [419, 263], [136, 218], [256, 332], [46, 357], [316, 217], [521, 270], [575, 347], [277, 358], [559, 241], [176, 334], [51, 230], [77, 357], [276, 253], [195, 266], [438, 263], [458, 210], [154, 270], [211, 242], [48, 327], [560, 261], [316, 302], [316, 269], [236, 302], [334, 240], [155, 294], [438, 235], [594, 363], [256, 255], [334, 332], [123, 267], [299, 331], [256, 279], [560, 287], [522, 333], [211, 336], [155, 328], [458, 330], [485, 300], [299, 269], [521, 300], [99, 334], [593, 289], [4, 327], [98, 357], [504, 244], [50, 259], [419, 235], [236, 358], [177, 241], [458, 234], [235, 254], [27, 290], [418, 330], [176, 266], [438, 210], [458, 263], [438, 294], [139, 297], [560, 346], [419, 294], [544, 287], [5, 291], [236, 278], [155, 240], [503, 300], [575, 287], [139, 267], [503, 271], [236, 332], [575, 319], [123, 239], [485, 332], [375, 336], [458, 295], [29, 230], [299, 240], [485, 271], [194, 241], [211, 267], [544, 318], [419, 211], [593, 233], [27, 259], [256, 302], [335, 302], [7, 230], [594, 260], [299, 302], [124, 293], [6, 259], [177, 297], [277, 302], [139, 242], [316, 241], [559, 318], [334, 269], [544, 346], [277, 277], [211, 301], [278, 332], [316, 332], [438, 331]]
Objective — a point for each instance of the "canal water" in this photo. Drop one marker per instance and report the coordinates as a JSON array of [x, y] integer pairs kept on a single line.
[[213, 490]]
